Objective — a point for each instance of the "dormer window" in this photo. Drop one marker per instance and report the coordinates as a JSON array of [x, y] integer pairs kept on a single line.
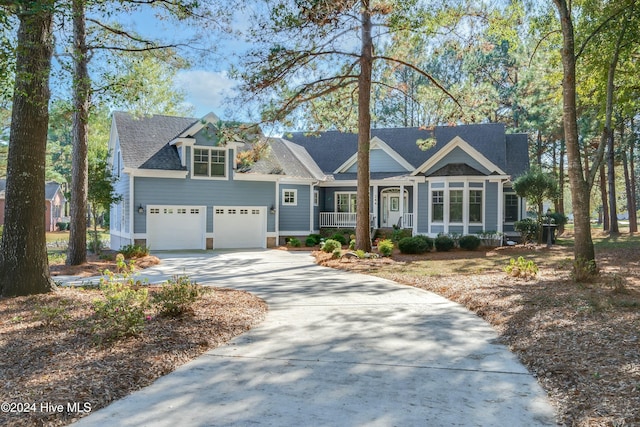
[[209, 162]]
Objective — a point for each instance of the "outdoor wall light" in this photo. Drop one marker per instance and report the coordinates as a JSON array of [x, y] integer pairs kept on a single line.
[[140, 209], [273, 209]]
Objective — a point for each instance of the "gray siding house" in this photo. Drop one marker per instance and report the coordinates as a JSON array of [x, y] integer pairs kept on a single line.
[[183, 188]]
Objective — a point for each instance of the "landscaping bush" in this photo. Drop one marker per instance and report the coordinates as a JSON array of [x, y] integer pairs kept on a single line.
[[121, 313], [470, 242], [385, 247], [176, 296], [293, 242], [310, 241], [528, 229], [413, 245], [134, 251], [340, 238], [444, 243], [521, 268], [331, 245], [427, 240], [352, 244], [61, 226]]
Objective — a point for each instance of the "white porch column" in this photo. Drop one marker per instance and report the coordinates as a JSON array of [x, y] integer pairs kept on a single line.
[[402, 204], [376, 223], [415, 209], [500, 227]]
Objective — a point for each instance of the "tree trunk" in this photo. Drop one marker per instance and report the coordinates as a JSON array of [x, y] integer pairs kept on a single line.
[[77, 253], [363, 232], [583, 249], [633, 206], [560, 201], [611, 181], [24, 267], [603, 196]]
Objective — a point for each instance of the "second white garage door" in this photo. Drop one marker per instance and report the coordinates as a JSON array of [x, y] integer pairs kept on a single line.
[[239, 227]]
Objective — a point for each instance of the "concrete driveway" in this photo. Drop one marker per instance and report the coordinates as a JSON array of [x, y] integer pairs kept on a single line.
[[336, 349]]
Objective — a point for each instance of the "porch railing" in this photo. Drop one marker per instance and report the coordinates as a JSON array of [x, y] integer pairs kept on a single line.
[[407, 220], [341, 220]]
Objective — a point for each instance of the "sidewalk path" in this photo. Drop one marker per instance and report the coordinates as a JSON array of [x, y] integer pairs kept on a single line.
[[336, 349]]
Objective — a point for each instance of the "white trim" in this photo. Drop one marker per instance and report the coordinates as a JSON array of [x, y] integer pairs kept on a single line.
[[240, 176], [312, 205], [450, 146], [335, 200], [209, 118], [224, 150], [183, 142], [284, 197], [120, 234], [294, 232], [376, 144], [154, 173], [315, 197]]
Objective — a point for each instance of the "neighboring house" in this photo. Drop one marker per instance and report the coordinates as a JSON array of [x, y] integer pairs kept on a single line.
[[182, 189], [54, 202]]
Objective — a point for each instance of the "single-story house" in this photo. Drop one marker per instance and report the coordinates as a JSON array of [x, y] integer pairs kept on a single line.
[[182, 188], [54, 202]]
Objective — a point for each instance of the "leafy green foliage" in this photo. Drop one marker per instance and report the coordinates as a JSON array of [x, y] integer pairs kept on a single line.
[[584, 270], [352, 244], [340, 238], [134, 251], [528, 229], [310, 241], [444, 243], [470, 242], [294, 242], [385, 247], [52, 315], [414, 245], [122, 311], [176, 297], [521, 267], [331, 245]]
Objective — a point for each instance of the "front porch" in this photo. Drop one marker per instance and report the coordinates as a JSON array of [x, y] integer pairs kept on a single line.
[[348, 220]]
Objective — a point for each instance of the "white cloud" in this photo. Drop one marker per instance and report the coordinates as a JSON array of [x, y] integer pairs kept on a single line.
[[207, 91]]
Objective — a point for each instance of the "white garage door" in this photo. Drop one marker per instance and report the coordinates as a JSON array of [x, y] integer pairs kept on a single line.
[[176, 227], [239, 227]]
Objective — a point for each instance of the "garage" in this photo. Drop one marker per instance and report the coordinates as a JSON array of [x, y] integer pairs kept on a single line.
[[176, 227], [239, 227]]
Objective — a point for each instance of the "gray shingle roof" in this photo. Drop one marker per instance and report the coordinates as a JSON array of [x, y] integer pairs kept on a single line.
[[331, 149], [285, 158], [144, 141], [50, 189]]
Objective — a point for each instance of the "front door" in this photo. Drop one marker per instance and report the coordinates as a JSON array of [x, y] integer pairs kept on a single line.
[[391, 212]]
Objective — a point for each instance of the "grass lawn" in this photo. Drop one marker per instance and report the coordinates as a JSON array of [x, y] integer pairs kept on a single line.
[[58, 241]]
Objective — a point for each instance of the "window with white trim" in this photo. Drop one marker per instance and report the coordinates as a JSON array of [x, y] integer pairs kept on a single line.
[[209, 162], [289, 197], [437, 206], [511, 207], [346, 202], [475, 206]]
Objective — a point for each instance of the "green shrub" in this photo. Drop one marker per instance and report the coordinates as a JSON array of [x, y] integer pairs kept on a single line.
[[340, 238], [400, 233], [310, 241], [134, 251], [444, 243], [360, 253], [426, 239], [470, 242], [316, 238], [521, 268], [122, 312], [528, 229], [413, 245], [176, 296], [385, 247], [352, 244], [337, 253], [293, 242], [584, 271], [61, 226], [331, 245]]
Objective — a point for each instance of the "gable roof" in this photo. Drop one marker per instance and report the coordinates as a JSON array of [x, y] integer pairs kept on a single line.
[[144, 141], [50, 189], [333, 149]]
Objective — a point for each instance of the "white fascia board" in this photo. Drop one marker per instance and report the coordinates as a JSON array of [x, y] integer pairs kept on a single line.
[[183, 141], [113, 139], [464, 145], [196, 127], [155, 173], [239, 176], [376, 144]]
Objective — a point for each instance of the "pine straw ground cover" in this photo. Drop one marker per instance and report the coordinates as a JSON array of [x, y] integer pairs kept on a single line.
[[55, 359], [581, 341]]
